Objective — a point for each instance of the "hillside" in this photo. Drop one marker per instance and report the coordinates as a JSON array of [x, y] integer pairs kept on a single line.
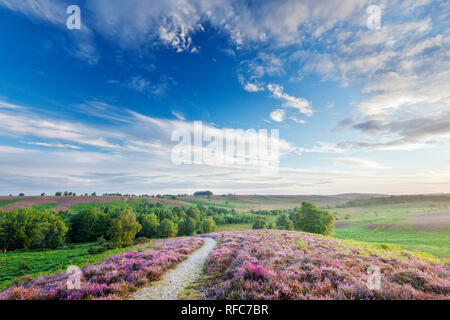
[[265, 264]]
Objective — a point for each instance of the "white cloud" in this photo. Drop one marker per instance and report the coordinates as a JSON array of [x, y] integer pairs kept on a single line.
[[278, 115], [296, 120], [301, 104], [179, 115], [356, 163], [253, 87]]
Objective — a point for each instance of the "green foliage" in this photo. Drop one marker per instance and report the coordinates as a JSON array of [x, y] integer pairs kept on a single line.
[[28, 228], [203, 193], [208, 226], [315, 220], [260, 224], [101, 241], [124, 228], [284, 222], [187, 226], [88, 225], [167, 229], [149, 223]]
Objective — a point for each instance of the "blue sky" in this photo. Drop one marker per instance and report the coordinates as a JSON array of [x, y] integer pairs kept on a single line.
[[358, 109]]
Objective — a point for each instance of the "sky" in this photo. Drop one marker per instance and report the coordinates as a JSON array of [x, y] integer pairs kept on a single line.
[[360, 106]]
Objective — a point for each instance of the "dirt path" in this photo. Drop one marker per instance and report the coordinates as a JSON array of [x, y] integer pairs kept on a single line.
[[176, 280]]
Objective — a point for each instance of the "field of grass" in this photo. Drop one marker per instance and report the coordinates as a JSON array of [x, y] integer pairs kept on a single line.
[[46, 206], [115, 204], [386, 224], [14, 265]]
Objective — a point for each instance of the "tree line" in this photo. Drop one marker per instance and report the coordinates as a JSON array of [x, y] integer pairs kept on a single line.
[[32, 228]]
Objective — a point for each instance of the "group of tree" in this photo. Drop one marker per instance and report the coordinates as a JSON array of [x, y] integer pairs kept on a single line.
[[33, 228], [308, 218], [203, 194]]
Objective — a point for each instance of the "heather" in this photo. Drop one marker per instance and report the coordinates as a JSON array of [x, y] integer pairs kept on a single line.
[[112, 278], [274, 264]]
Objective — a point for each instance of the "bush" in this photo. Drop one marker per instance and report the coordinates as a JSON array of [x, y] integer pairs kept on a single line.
[[141, 240], [109, 246], [93, 250], [101, 241], [71, 246]]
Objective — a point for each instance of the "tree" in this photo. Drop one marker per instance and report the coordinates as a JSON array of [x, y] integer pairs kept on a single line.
[[316, 220], [203, 193], [187, 227], [124, 228], [260, 224], [29, 228], [208, 225], [149, 223], [167, 229], [88, 225], [283, 222], [58, 194], [21, 194]]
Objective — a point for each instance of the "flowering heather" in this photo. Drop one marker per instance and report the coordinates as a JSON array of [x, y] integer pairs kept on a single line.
[[274, 264], [111, 278]]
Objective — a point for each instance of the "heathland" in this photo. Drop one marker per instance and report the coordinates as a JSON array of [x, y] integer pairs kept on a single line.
[[411, 231]]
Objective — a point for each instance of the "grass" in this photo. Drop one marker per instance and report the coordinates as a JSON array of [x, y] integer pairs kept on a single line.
[[115, 204], [46, 206], [429, 242], [14, 265], [436, 243]]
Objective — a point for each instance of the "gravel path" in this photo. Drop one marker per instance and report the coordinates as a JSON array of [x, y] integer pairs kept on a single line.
[[176, 280]]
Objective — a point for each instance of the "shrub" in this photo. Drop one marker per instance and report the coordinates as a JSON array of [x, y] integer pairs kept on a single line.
[[141, 240], [101, 241], [93, 250]]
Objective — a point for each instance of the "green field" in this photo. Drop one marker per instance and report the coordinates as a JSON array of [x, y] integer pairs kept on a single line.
[[389, 224], [116, 204]]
